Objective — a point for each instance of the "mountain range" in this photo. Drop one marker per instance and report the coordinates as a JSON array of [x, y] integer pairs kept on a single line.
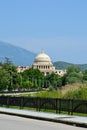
[[17, 55], [23, 57], [64, 65]]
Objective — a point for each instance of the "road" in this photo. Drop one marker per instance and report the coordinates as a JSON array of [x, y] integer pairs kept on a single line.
[[8, 122]]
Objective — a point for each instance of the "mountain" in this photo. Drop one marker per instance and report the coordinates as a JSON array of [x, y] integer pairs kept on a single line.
[[23, 57], [64, 65], [17, 55]]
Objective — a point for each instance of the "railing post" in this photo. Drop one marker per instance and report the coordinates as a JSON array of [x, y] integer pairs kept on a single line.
[[21, 103], [72, 107], [56, 105], [59, 106], [69, 107], [37, 104], [8, 101]]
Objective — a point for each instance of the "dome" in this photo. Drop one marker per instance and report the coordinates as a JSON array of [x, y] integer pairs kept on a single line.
[[42, 57]]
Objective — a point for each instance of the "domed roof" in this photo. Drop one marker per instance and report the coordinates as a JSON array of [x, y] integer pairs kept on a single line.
[[42, 57]]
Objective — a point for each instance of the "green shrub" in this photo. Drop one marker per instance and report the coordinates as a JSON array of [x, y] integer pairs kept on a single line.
[[80, 93]]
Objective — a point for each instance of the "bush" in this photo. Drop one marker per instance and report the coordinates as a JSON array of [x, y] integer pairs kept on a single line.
[[80, 93]]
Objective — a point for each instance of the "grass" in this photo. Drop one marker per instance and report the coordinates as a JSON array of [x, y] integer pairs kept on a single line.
[[48, 94], [76, 91]]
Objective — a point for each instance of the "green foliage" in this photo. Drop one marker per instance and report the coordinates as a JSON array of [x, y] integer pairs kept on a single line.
[[8, 75], [4, 79], [80, 93], [8, 62], [33, 73], [85, 75], [34, 76], [73, 69], [74, 78], [55, 81], [27, 84], [74, 75], [34, 79], [48, 94]]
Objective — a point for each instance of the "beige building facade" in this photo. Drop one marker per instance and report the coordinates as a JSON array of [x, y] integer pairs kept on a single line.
[[21, 69], [43, 62]]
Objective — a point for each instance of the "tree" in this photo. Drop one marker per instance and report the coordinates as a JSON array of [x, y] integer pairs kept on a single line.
[[27, 85], [54, 80], [73, 69], [8, 61], [4, 79], [85, 75], [34, 76], [74, 75], [11, 70]]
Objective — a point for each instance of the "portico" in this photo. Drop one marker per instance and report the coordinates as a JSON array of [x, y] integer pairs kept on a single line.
[[43, 62]]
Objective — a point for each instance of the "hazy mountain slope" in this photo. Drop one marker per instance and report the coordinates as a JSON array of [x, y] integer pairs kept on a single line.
[[17, 55], [23, 57], [65, 65]]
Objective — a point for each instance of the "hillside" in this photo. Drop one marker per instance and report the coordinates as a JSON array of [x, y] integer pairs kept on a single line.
[[17, 55], [65, 65], [23, 57]]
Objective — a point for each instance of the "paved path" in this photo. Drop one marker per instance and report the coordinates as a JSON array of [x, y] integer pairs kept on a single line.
[[8, 122], [67, 119]]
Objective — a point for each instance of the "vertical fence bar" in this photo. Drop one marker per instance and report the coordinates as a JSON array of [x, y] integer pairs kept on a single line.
[[56, 105], [37, 104], [69, 107], [59, 106], [7, 101], [72, 107], [21, 102]]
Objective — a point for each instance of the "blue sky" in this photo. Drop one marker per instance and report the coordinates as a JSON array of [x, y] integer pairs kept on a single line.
[[59, 27]]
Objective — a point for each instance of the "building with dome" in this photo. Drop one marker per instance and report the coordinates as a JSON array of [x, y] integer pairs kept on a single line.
[[43, 62]]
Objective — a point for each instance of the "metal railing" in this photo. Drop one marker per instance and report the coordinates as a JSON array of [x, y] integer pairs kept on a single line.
[[58, 105]]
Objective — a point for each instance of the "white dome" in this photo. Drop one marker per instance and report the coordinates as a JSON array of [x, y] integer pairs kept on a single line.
[[42, 57]]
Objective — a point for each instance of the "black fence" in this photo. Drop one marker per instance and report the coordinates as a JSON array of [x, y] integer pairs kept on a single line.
[[58, 105]]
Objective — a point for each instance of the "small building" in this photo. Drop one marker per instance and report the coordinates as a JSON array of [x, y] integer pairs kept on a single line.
[[22, 68]]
